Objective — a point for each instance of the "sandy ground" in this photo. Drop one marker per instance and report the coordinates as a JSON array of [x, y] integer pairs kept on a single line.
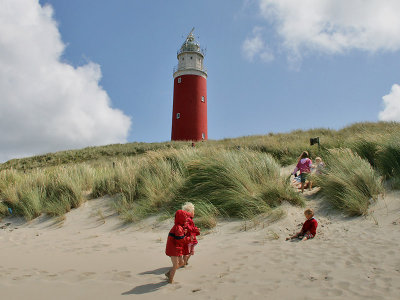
[[91, 255]]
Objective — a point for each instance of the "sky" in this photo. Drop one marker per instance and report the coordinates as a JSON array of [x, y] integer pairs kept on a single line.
[[81, 73]]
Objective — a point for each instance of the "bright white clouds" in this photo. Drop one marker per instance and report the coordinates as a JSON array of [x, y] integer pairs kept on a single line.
[[45, 104], [309, 27], [391, 112], [334, 26], [255, 46]]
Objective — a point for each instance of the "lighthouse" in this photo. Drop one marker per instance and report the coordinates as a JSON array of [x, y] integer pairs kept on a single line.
[[189, 113]]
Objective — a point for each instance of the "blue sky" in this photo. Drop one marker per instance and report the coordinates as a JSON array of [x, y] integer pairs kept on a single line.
[[273, 66]]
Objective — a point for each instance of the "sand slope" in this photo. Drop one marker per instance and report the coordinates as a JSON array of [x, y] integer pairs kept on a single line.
[[91, 255]]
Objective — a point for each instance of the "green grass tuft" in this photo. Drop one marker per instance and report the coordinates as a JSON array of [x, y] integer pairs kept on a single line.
[[349, 183]]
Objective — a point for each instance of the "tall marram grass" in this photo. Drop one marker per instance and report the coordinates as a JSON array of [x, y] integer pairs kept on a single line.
[[220, 182], [231, 177], [383, 154], [53, 191], [349, 183], [238, 184], [284, 147]]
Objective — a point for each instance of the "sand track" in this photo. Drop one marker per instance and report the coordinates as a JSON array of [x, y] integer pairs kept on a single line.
[[91, 255]]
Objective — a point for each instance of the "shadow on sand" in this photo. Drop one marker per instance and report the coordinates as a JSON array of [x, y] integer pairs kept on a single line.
[[145, 288], [158, 271]]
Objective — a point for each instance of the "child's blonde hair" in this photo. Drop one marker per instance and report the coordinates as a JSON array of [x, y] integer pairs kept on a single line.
[[188, 206], [318, 159], [309, 211]]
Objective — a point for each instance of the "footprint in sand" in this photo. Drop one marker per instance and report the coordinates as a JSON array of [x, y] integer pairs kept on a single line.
[[121, 276], [332, 292], [52, 276], [86, 275], [344, 285]]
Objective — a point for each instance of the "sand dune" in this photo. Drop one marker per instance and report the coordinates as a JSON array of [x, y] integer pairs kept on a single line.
[[91, 255]]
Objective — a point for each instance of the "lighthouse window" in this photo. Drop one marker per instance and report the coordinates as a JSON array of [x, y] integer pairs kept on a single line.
[[191, 57], [178, 115], [202, 99], [179, 80], [203, 136]]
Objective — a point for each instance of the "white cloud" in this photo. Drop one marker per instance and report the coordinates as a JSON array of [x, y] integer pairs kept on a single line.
[[255, 46], [45, 104], [391, 112], [334, 26]]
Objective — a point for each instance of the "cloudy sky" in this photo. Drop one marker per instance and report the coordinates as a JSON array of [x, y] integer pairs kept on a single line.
[[82, 73]]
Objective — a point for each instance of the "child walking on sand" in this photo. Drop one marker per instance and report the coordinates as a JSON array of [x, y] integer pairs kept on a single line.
[[175, 243], [304, 165], [309, 229], [192, 232]]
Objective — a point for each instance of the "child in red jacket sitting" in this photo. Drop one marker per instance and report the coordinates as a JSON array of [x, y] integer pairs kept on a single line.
[[309, 229], [192, 231], [176, 242]]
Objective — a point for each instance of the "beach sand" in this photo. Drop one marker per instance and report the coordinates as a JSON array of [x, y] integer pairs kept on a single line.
[[90, 254]]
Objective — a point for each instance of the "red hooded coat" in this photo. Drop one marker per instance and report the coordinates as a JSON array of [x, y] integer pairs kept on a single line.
[[176, 237], [192, 231]]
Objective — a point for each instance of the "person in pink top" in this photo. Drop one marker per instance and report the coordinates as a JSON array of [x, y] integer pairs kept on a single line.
[[304, 165]]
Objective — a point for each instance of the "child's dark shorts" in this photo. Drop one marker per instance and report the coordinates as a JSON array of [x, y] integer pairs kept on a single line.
[[303, 177]]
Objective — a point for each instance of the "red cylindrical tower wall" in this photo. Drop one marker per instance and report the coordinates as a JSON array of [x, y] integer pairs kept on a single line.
[[189, 116]]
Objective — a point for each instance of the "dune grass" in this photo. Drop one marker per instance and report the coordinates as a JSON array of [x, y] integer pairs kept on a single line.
[[220, 182], [349, 183], [229, 178], [383, 154], [284, 147], [55, 191], [238, 184]]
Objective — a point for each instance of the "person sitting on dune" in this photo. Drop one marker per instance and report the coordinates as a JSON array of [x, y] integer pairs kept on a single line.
[[309, 229]]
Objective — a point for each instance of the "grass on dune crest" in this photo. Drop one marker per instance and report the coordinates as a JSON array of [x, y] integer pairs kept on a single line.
[[238, 184], [284, 147], [55, 191], [349, 183], [383, 154], [220, 182], [230, 178]]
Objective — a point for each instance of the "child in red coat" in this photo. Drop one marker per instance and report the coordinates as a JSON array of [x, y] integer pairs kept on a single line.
[[175, 243], [192, 232], [309, 229]]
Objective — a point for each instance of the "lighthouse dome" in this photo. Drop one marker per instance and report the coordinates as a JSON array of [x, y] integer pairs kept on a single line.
[[190, 58], [191, 45]]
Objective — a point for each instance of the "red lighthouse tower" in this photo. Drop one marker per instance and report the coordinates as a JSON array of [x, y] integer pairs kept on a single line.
[[189, 114]]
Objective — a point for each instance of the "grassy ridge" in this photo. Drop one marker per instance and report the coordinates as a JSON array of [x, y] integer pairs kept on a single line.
[[284, 147], [349, 182], [221, 178], [220, 182]]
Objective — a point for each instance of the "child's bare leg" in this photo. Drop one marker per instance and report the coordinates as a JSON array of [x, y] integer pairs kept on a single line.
[[307, 236], [310, 185], [177, 262], [293, 236], [185, 259]]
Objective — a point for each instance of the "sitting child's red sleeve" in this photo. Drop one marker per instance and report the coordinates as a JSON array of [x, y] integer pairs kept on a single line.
[[310, 226]]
